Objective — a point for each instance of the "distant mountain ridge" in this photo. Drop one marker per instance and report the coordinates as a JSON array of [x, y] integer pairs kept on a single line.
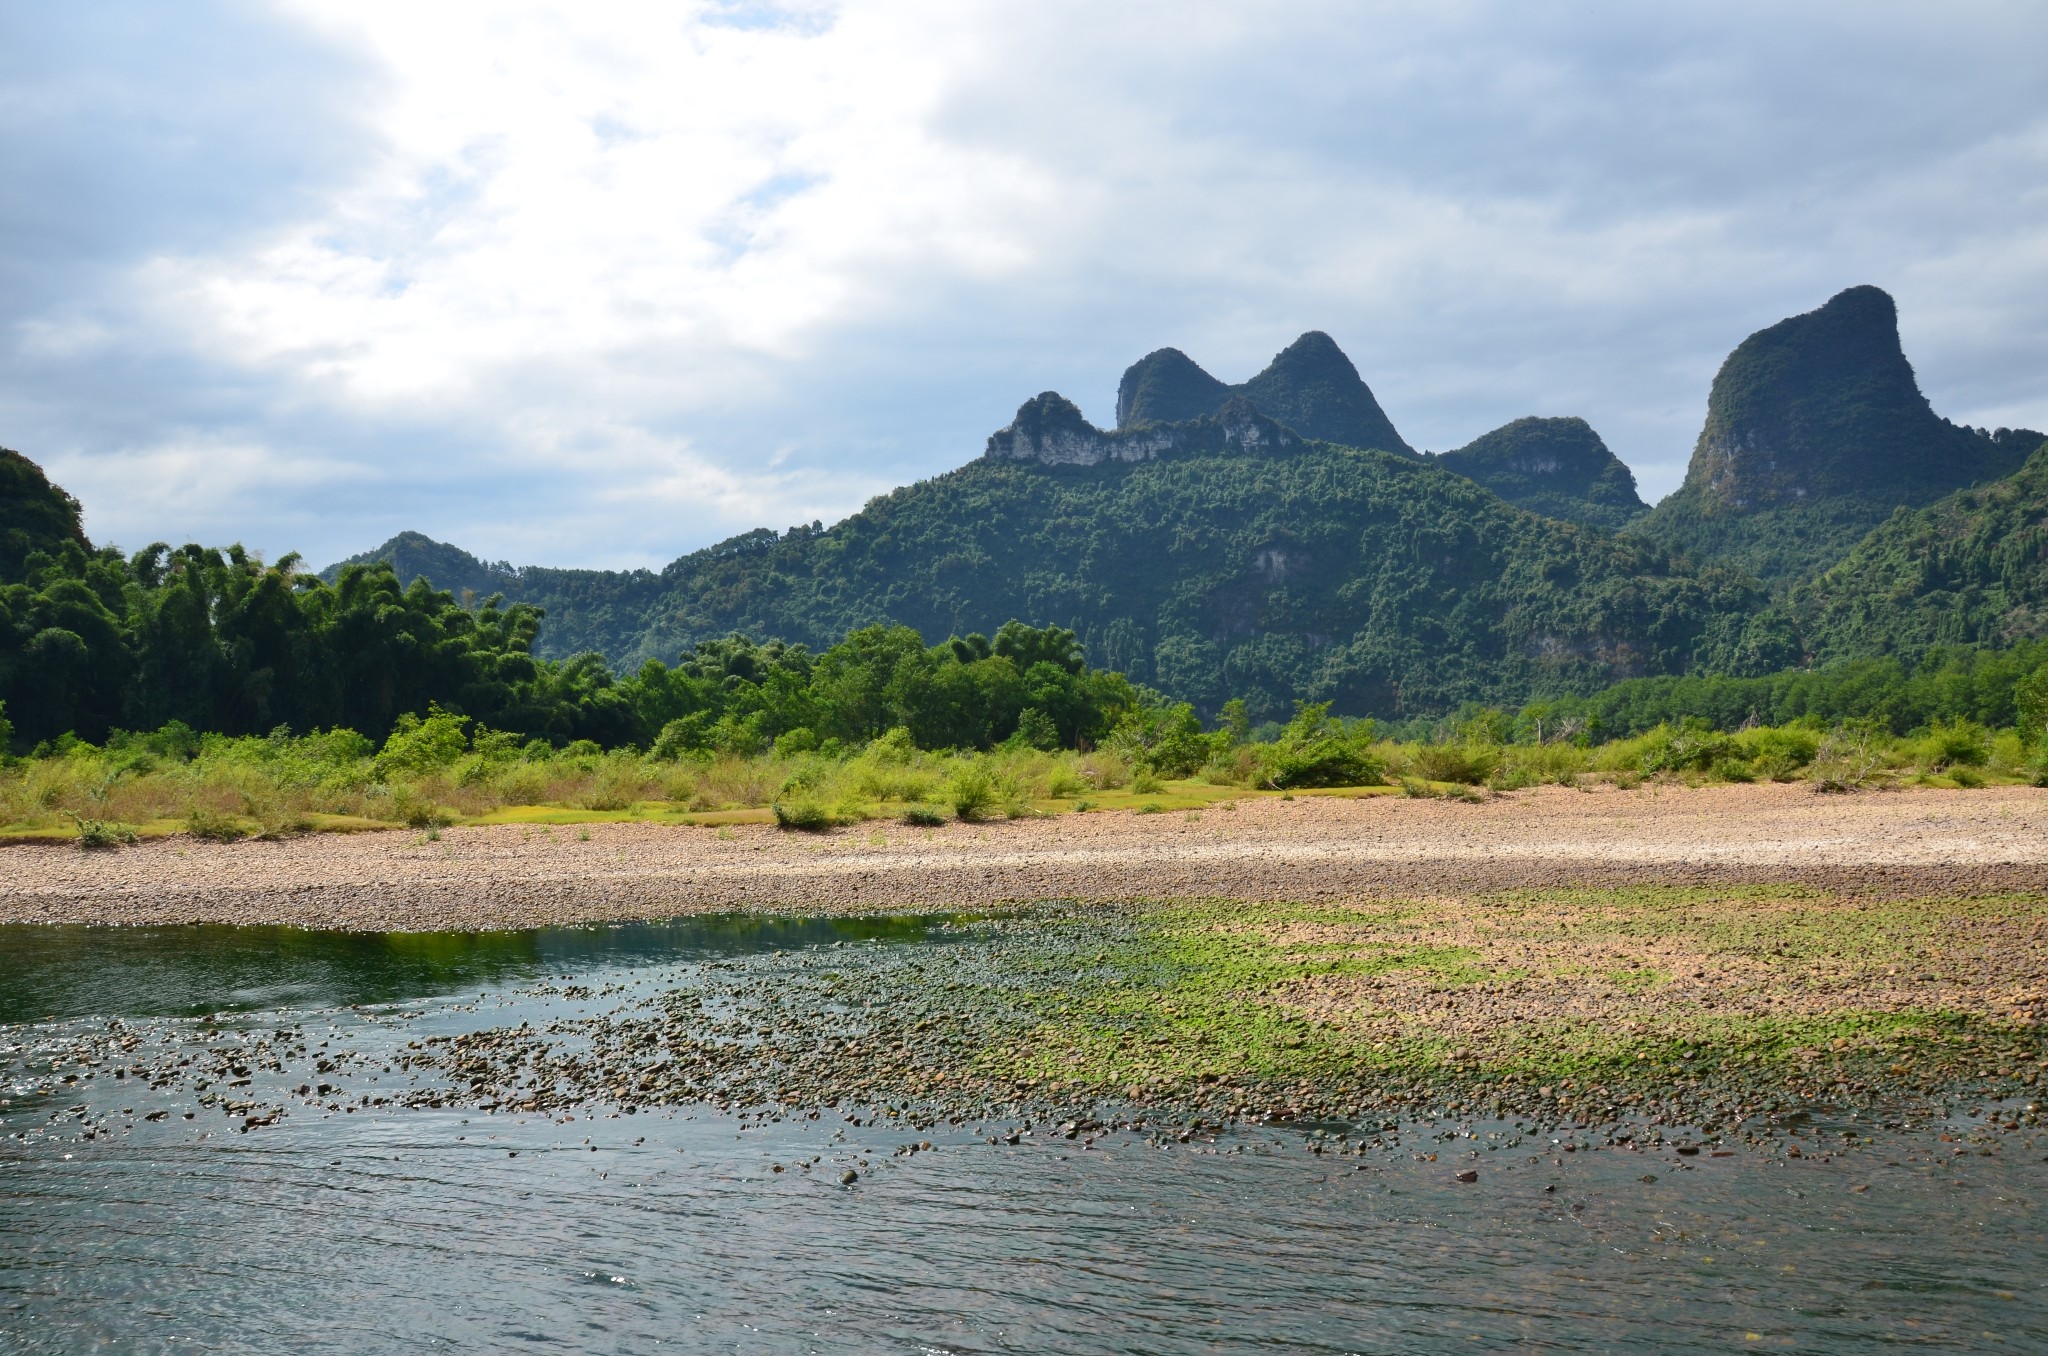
[[1219, 542], [414, 555]]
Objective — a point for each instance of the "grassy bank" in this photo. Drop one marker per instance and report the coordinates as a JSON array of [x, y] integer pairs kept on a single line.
[[1723, 1013], [435, 774]]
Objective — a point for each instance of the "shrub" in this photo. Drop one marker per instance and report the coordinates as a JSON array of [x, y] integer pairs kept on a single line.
[[894, 746], [421, 745], [1145, 783], [103, 835], [214, 826], [975, 792], [1778, 753], [1035, 730], [1848, 760], [618, 783], [1316, 751], [1106, 770], [923, 816], [790, 743], [1532, 764], [683, 735], [806, 816], [1963, 744], [1459, 764], [416, 811], [1235, 765], [1691, 746]]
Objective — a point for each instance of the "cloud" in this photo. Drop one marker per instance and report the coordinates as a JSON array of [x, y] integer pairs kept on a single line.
[[597, 285]]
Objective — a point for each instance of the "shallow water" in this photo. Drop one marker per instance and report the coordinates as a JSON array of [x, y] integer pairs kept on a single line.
[[380, 1229]]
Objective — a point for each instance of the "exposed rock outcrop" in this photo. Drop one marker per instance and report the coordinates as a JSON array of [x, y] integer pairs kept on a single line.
[[1051, 430]]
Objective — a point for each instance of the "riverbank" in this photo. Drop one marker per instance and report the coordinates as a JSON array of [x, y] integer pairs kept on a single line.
[[1917, 843]]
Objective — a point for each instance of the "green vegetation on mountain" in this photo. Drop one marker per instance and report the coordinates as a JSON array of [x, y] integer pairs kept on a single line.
[[1310, 386], [1556, 467], [1968, 569], [216, 641], [1222, 556], [1385, 585], [1167, 387], [34, 514], [413, 555], [1816, 431]]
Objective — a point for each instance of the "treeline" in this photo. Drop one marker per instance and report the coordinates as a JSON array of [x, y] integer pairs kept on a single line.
[[2000, 689], [217, 641], [92, 642]]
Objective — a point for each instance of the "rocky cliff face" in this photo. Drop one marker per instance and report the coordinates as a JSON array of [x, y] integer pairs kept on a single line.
[[1050, 429], [1815, 431], [1557, 467], [1310, 386], [1819, 404]]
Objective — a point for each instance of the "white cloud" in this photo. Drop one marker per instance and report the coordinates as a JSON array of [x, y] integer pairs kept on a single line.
[[599, 284]]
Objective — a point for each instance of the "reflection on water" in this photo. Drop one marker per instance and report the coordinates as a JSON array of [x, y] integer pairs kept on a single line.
[[373, 1230], [58, 973]]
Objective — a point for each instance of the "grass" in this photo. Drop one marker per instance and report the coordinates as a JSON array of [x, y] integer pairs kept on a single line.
[[281, 786], [1272, 994]]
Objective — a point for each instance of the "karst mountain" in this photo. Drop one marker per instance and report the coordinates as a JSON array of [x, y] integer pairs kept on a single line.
[[1277, 539]]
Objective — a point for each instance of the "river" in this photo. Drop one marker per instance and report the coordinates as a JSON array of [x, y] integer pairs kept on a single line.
[[348, 1225]]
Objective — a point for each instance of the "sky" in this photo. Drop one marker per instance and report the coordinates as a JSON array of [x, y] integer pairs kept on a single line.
[[599, 284]]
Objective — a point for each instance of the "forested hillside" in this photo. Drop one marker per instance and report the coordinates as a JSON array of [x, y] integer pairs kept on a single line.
[[1384, 584], [1969, 569]]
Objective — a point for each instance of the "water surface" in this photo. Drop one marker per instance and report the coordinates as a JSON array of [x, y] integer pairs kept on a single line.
[[384, 1229]]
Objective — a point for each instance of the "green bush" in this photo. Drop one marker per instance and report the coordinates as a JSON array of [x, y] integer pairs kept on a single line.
[[103, 835], [1314, 750], [975, 792], [1962, 744], [1064, 783], [419, 745], [1690, 746], [416, 811], [806, 816], [1035, 730], [1778, 752], [923, 816], [213, 826], [791, 743], [1458, 764]]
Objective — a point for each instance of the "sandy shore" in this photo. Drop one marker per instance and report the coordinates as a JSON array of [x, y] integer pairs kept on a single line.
[[1906, 843]]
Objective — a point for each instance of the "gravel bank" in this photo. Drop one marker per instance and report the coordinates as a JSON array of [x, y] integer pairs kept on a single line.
[[1895, 844]]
